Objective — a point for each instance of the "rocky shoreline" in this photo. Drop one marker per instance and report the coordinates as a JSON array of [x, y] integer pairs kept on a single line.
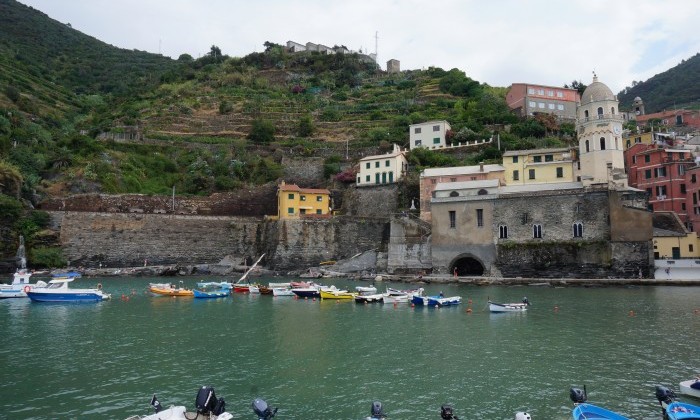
[[235, 271]]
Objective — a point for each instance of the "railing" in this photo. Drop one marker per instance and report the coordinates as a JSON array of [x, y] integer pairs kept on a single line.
[[598, 117]]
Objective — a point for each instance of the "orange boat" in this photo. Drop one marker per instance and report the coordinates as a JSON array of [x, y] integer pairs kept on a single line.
[[170, 291]]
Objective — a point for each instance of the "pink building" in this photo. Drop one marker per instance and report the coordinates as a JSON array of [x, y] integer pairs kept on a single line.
[[430, 177], [527, 99], [664, 174]]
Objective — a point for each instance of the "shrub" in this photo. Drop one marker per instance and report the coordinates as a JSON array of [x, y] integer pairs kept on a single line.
[[47, 257], [263, 131]]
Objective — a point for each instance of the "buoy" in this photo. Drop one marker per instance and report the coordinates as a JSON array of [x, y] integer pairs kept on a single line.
[[696, 311], [556, 309], [27, 289], [469, 301], [469, 310], [413, 305], [631, 313], [394, 304]]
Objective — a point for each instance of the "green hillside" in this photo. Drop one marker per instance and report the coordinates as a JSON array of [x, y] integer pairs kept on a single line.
[[213, 124], [677, 87]]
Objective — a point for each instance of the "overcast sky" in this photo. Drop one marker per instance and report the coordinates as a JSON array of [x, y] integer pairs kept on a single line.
[[498, 42]]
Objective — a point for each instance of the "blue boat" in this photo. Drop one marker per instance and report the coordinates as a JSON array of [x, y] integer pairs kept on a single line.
[[674, 410], [584, 411], [587, 411], [200, 294], [58, 291], [438, 301]]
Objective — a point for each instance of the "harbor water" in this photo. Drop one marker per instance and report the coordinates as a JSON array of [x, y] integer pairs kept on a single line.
[[329, 360]]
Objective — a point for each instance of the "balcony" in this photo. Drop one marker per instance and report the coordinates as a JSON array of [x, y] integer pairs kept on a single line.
[[604, 118]]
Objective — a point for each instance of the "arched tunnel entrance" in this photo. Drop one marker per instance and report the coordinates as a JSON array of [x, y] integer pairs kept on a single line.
[[467, 266]]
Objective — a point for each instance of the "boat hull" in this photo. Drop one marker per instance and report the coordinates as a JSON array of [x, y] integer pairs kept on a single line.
[[171, 292], [76, 296], [593, 412], [306, 293], [282, 291], [437, 301], [342, 295], [507, 307], [375, 298]]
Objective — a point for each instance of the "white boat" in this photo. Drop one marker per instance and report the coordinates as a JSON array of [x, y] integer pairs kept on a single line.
[[58, 291], [366, 290], [509, 307], [373, 298], [20, 285], [690, 387], [282, 291], [401, 296], [254, 289], [20, 280], [214, 284], [205, 409]]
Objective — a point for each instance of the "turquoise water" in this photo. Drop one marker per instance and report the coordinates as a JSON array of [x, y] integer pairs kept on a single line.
[[330, 360]]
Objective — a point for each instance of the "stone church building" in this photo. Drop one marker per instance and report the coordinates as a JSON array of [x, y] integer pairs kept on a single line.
[[596, 227]]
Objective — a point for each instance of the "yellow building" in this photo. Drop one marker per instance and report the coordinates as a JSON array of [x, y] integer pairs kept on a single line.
[[538, 166], [630, 138], [295, 202], [672, 239]]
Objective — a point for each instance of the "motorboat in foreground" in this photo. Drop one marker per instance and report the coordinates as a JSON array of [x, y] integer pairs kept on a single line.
[[675, 410], [509, 307], [690, 387], [207, 407], [58, 291], [584, 411]]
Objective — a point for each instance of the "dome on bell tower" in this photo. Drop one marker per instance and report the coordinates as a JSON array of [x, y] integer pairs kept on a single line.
[[597, 91]]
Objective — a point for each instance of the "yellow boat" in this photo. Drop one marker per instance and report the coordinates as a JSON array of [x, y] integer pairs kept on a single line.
[[170, 291], [337, 294]]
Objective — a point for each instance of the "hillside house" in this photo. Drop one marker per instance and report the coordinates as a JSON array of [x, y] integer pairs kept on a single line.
[[429, 135], [382, 169], [294, 202]]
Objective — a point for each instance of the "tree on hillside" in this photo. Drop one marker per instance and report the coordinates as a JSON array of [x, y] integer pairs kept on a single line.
[[578, 85], [263, 131], [306, 126], [457, 83]]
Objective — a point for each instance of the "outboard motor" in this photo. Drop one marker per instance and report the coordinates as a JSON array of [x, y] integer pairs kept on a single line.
[[578, 396], [156, 404], [206, 400], [521, 415], [262, 410], [665, 397], [377, 411], [446, 412]]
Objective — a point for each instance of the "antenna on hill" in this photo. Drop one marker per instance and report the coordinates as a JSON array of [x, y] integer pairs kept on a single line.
[[159, 44], [376, 45]]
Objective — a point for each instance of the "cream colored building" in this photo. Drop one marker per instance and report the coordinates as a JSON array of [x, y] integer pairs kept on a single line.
[[672, 239], [599, 128], [382, 169], [429, 135], [538, 166]]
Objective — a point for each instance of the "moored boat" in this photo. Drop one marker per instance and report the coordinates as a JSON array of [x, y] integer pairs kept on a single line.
[[337, 294], [690, 387], [366, 290], [20, 285], [214, 284], [509, 307], [437, 301], [374, 298], [282, 291], [58, 291], [585, 411], [169, 290], [203, 294]]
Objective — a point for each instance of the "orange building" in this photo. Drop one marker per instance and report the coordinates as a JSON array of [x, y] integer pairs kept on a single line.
[[526, 99]]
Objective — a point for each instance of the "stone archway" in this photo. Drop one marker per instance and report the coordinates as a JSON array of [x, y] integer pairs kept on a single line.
[[467, 265]]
